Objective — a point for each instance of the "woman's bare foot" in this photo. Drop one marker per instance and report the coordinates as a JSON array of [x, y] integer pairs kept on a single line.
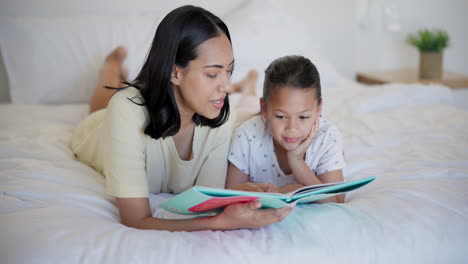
[[247, 86], [113, 74], [114, 69]]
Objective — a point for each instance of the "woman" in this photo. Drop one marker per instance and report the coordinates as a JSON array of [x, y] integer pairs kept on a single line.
[[167, 131]]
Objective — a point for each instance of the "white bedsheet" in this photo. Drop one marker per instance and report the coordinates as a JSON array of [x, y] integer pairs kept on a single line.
[[53, 209]]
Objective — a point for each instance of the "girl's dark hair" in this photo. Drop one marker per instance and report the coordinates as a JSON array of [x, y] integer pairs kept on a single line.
[[292, 71], [175, 43]]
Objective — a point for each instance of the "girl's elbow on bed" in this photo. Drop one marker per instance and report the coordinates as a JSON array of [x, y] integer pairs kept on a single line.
[[340, 198]]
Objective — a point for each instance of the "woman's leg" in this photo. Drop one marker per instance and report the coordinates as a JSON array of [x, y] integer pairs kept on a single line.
[[244, 97], [112, 74], [247, 85]]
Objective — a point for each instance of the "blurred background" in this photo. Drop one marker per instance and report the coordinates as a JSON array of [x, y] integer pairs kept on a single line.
[[354, 35]]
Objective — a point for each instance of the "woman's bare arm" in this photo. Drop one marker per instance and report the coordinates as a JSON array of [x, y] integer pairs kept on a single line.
[[136, 213]]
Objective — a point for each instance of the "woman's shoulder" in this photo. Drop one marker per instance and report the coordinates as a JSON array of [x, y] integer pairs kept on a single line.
[[222, 133], [132, 93], [128, 103]]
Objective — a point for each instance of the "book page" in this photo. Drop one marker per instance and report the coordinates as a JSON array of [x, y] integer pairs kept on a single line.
[[330, 188], [310, 188], [216, 192]]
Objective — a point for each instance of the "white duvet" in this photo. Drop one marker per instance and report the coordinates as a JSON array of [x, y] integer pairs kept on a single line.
[[53, 209]]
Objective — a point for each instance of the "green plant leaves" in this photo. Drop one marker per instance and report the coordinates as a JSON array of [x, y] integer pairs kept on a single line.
[[429, 40]]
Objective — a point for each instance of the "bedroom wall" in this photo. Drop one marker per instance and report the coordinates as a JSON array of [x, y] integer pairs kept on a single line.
[[334, 23], [101, 7], [107, 7], [4, 92], [352, 48], [381, 49]]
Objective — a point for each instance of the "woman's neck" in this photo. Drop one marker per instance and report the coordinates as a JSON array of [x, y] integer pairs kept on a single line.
[[183, 140], [186, 121], [186, 114]]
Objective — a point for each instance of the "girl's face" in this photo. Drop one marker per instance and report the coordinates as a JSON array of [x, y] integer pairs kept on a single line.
[[203, 84], [290, 114]]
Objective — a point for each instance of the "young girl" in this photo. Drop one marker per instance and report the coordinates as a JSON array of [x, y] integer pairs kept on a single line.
[[167, 131], [289, 145]]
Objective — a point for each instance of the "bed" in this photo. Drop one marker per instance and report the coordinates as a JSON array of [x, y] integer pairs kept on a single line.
[[54, 209]]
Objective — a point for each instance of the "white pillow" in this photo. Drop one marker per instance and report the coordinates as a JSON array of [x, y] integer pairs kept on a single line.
[[262, 31], [57, 59]]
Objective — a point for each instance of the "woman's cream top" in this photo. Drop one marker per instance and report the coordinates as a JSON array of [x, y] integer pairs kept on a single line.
[[113, 142]]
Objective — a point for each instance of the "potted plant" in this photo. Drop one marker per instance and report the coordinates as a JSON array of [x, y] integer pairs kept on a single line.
[[431, 44]]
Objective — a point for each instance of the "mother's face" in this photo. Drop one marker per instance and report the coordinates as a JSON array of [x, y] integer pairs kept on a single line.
[[203, 84]]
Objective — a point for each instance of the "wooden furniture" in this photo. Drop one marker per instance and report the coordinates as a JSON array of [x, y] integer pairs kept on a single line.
[[453, 80]]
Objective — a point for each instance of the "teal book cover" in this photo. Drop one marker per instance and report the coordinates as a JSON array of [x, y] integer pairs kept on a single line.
[[205, 200]]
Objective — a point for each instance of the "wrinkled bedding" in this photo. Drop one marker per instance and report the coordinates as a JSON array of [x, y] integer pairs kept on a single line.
[[54, 209]]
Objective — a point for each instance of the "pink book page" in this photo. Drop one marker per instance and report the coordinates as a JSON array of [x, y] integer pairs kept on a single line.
[[220, 202]]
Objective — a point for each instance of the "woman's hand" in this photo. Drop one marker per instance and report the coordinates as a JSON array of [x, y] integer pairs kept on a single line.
[[256, 187], [136, 213], [298, 153], [249, 215]]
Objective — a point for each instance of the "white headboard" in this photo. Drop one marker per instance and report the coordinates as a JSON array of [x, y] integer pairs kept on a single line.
[[52, 8], [4, 92], [326, 23], [333, 25]]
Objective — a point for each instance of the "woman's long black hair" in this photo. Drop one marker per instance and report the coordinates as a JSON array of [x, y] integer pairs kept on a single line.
[[175, 42]]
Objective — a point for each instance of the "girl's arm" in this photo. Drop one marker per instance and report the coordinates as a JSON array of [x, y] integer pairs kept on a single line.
[[304, 175], [237, 180], [136, 213], [235, 176]]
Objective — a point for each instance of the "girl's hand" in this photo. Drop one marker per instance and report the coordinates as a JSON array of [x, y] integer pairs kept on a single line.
[[248, 215], [256, 187], [298, 153]]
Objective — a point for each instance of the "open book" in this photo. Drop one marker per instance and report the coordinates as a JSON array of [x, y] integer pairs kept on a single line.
[[206, 200]]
